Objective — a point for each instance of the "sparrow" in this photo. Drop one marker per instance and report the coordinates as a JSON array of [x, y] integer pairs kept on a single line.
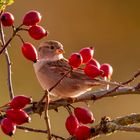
[[52, 65]]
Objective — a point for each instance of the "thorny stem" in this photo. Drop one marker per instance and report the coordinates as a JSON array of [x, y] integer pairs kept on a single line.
[[11, 94], [46, 115]]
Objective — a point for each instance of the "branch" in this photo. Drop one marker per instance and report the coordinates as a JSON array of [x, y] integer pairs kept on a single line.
[[7, 60], [5, 45], [46, 115], [108, 126], [35, 108]]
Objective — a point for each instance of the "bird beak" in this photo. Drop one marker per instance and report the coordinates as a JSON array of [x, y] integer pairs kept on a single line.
[[59, 51]]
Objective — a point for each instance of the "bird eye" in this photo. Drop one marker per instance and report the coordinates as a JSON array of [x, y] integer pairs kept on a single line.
[[52, 47]]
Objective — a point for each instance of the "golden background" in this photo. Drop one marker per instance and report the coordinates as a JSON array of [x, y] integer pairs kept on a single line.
[[112, 26]]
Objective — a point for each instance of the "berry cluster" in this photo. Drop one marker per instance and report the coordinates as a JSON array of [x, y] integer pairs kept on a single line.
[[76, 123], [31, 19], [15, 115], [92, 67], [37, 32]]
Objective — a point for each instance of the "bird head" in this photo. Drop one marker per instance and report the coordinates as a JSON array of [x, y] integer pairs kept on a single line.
[[50, 50]]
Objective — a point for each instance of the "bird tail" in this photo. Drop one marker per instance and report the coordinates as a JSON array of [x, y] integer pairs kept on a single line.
[[104, 82]]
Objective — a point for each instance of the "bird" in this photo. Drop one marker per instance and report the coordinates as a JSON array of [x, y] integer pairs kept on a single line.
[[52, 66]]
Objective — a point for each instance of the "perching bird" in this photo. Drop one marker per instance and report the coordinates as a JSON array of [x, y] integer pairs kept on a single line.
[[50, 68]]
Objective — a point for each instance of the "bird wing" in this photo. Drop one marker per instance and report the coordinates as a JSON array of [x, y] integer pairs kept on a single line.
[[63, 67]]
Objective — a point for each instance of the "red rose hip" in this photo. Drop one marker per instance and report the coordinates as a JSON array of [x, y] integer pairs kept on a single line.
[[94, 62], [83, 132], [29, 51], [84, 115], [37, 32], [18, 116], [87, 54], [92, 71], [71, 124], [8, 127], [75, 60], [32, 18], [7, 19], [19, 102], [107, 70]]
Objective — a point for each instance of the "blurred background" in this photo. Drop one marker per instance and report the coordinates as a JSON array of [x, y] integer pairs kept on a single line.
[[111, 26]]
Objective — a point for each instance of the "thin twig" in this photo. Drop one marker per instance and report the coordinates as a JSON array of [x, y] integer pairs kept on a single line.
[[7, 43], [11, 94], [39, 131], [10, 39], [58, 82], [132, 79], [46, 115], [122, 83]]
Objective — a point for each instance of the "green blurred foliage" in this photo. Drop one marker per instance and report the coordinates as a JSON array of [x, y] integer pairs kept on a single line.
[[4, 3], [111, 26]]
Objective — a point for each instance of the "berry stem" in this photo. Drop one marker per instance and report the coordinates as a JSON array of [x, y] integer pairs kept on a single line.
[[20, 38], [24, 29], [5, 105], [68, 109], [11, 94], [71, 106]]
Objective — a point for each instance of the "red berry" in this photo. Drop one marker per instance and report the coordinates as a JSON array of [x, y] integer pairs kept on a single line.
[[18, 116], [92, 71], [29, 51], [7, 19], [71, 124], [32, 18], [83, 132], [94, 62], [107, 70], [37, 32], [84, 115], [8, 127], [75, 60], [87, 54], [19, 102]]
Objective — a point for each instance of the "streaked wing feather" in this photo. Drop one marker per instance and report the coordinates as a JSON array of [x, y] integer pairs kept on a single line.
[[62, 67]]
